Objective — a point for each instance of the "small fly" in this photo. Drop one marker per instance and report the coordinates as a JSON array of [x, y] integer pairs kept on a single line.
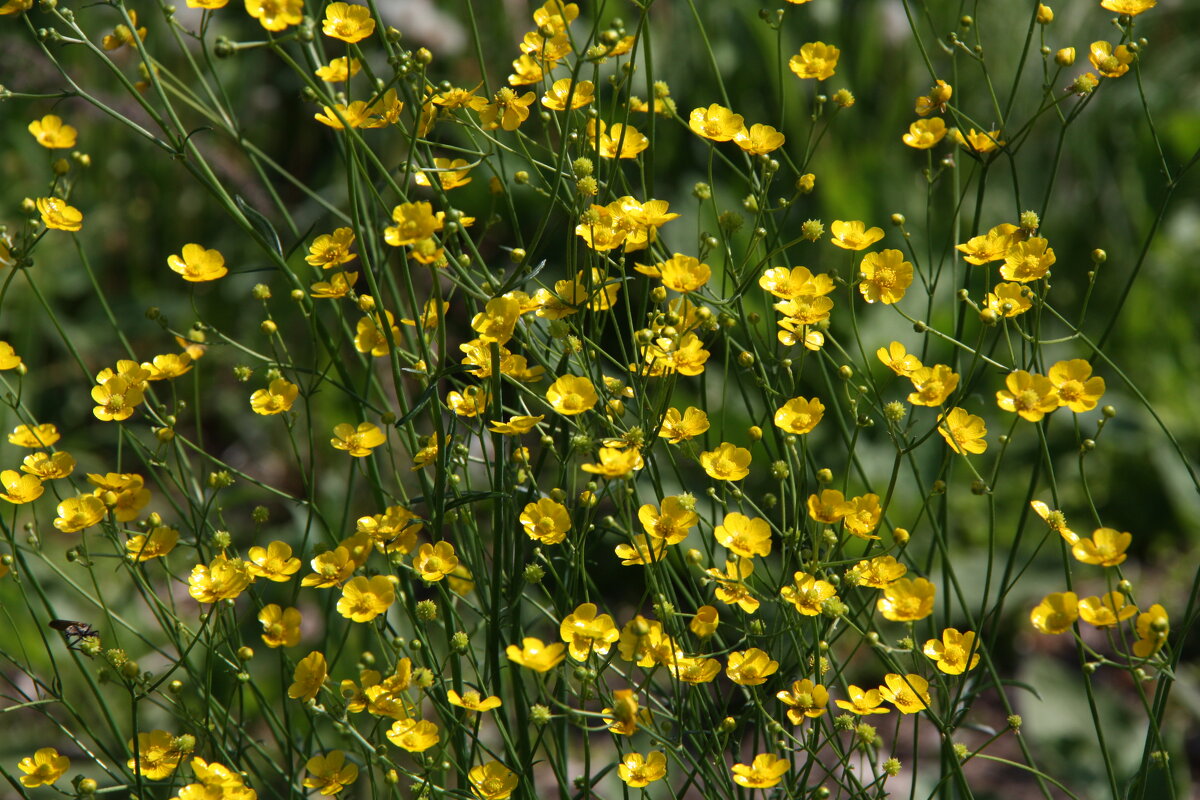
[[75, 632]]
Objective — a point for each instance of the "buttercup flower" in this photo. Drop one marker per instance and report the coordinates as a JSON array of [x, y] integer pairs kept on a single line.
[[586, 633], [19, 489], [750, 667], [727, 463], [981, 142], [158, 543], [908, 693], [1105, 548], [579, 94], [364, 599], [759, 139], [1008, 300], [907, 600], [158, 755], [807, 593], [1030, 396], [1028, 261], [925, 133], [1056, 613], [764, 772], [886, 276], [276, 15], [221, 579], [58, 215], [954, 653], [414, 222], [638, 770], [52, 133], [853, 235], [43, 768], [1075, 386], [862, 702], [546, 521], [116, 400], [936, 100], [617, 140], [679, 273], [197, 264], [534, 654], [715, 123], [281, 626], [77, 513], [472, 700], [350, 23], [815, 60], [8, 357], [678, 427], [309, 675], [1106, 610], [493, 780], [707, 618], [276, 398], [804, 700], [339, 70], [1130, 7], [415, 736], [49, 466], [730, 586], [746, 536], [1055, 520], [615, 462], [672, 522], [357, 441], [516, 425], [1152, 630], [1109, 61], [991, 246], [877, 572], [435, 561], [450, 174], [507, 110], [330, 250], [330, 774], [330, 569], [861, 515], [572, 394], [799, 415], [964, 432]]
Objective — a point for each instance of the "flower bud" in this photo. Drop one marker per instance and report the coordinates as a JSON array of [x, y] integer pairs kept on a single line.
[[1045, 15], [1065, 57]]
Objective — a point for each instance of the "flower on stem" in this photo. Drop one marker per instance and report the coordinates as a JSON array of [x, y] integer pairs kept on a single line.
[[1028, 261], [908, 693], [330, 569], [8, 357], [19, 489], [1109, 61], [758, 139], [470, 402], [473, 701], [815, 60], [799, 415], [414, 222], [77, 513], [672, 521], [49, 466], [197, 265], [1008, 300], [579, 94], [1055, 520], [308, 677], [339, 70], [886, 277], [727, 463], [158, 543], [804, 700], [52, 133], [932, 385], [764, 772], [1077, 389], [925, 133], [1130, 7], [807, 593], [954, 653], [275, 399], [546, 521], [357, 441], [493, 780], [1152, 627], [507, 110], [281, 626], [516, 426], [450, 174], [992, 246], [124, 35], [638, 770], [861, 515], [750, 667], [43, 768], [348, 22], [706, 620], [679, 273], [715, 123], [329, 774], [907, 600], [981, 142], [571, 395], [853, 235], [415, 736], [1032, 396], [623, 716], [863, 702], [364, 599], [963, 432], [730, 585], [536, 655], [221, 579], [435, 561], [586, 633], [746, 536], [789, 284], [330, 250], [58, 215], [1056, 613], [936, 100], [276, 15], [1106, 547], [829, 506], [1107, 610]]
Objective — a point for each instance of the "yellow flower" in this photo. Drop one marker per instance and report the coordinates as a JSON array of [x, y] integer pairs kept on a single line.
[[908, 693], [1106, 610], [644, 550], [789, 284], [497, 320], [415, 736], [340, 116], [1056, 613], [907, 600], [981, 142], [493, 780], [435, 561], [364, 599], [339, 70], [43, 768], [516, 425], [222, 579], [116, 400], [853, 235], [932, 385], [1031, 396], [807, 593], [332, 249], [992, 246], [1152, 629], [829, 506], [617, 140], [925, 133], [371, 337], [750, 667], [746, 536], [642, 220], [77, 513], [730, 586], [276, 15], [15, 7], [330, 569], [964, 432], [350, 23], [8, 357], [49, 466], [1055, 520], [470, 402], [936, 100], [308, 677], [764, 772], [706, 619], [158, 753], [805, 699], [275, 399], [815, 60], [1008, 300], [672, 522], [877, 572], [694, 670], [799, 416], [330, 773], [122, 35], [281, 626], [1027, 261], [601, 229], [861, 515], [536, 655], [357, 441], [414, 222], [1109, 61], [623, 715], [1105, 548], [51, 133], [886, 276], [546, 521], [571, 394], [564, 90], [896, 358], [507, 110], [158, 543], [19, 489], [428, 453], [759, 139], [1076, 388], [585, 633], [472, 700], [727, 463], [197, 264], [212, 5], [955, 653], [1130, 7], [679, 274], [450, 173], [862, 702], [167, 366], [716, 123], [615, 462], [58, 215], [678, 427], [638, 770]]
